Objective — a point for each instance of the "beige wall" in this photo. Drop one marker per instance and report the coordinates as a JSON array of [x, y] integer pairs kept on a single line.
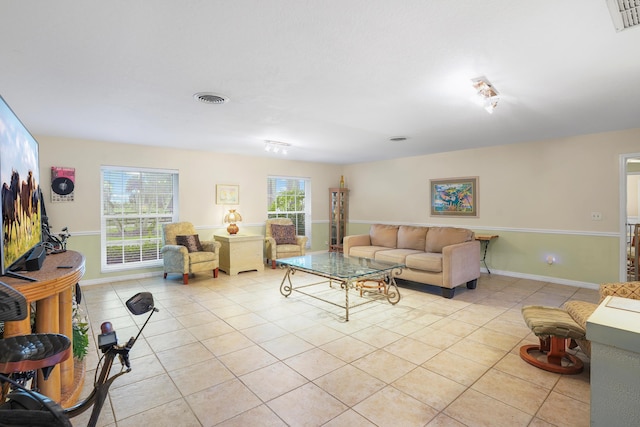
[[199, 173], [538, 196], [552, 185]]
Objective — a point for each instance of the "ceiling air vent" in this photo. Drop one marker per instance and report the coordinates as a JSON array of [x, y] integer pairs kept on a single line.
[[210, 98], [625, 13]]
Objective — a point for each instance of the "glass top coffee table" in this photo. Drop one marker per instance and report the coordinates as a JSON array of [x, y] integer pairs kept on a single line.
[[367, 279]]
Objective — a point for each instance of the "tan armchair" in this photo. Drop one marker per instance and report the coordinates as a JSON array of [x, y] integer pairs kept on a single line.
[[186, 258], [296, 245], [555, 327], [580, 311]]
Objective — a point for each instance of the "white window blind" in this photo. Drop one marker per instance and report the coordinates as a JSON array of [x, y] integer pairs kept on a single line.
[[290, 197], [135, 203]]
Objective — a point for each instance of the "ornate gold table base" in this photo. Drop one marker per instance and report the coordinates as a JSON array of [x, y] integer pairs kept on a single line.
[[389, 289]]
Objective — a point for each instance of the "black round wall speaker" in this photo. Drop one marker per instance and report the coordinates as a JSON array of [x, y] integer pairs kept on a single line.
[[62, 186]]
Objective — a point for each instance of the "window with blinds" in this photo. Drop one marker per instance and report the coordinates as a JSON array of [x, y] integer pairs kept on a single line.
[[290, 197], [135, 203]]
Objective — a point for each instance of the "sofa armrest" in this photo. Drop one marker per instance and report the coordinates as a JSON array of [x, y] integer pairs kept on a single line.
[[460, 263], [211, 246], [355, 240]]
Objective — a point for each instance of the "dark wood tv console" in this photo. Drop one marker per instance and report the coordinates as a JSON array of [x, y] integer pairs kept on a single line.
[[53, 293]]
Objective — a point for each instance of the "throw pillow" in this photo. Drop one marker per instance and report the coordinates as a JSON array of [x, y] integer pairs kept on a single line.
[[284, 234], [192, 242]]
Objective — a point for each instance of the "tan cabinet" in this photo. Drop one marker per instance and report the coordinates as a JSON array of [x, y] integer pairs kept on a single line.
[[338, 217], [240, 252]]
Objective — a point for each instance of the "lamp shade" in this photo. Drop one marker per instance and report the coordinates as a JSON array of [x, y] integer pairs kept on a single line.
[[231, 218]]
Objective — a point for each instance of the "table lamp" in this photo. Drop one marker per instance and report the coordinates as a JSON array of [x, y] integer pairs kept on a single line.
[[231, 218]]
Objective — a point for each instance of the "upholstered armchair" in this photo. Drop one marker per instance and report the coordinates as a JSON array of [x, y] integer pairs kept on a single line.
[[281, 240], [184, 253], [580, 311]]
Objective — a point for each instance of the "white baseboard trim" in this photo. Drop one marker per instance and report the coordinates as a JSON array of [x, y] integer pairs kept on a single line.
[[555, 280], [103, 280]]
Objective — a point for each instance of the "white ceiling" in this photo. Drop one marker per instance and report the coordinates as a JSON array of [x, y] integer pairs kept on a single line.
[[334, 78]]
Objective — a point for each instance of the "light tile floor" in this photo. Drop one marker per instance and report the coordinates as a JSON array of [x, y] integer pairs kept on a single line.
[[233, 351]]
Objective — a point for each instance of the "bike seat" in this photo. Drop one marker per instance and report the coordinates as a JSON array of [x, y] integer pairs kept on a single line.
[[34, 351]]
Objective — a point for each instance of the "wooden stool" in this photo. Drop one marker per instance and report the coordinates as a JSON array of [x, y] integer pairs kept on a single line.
[[374, 284], [553, 326]]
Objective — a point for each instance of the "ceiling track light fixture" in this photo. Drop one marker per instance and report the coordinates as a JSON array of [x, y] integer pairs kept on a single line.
[[486, 94], [276, 147]]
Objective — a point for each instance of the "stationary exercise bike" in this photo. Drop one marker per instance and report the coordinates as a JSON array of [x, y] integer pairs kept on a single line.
[[25, 407], [52, 243]]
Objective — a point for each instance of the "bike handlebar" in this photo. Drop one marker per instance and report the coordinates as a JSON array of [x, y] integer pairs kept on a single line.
[[108, 343]]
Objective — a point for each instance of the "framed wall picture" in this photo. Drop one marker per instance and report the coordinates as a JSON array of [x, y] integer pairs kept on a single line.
[[227, 194], [454, 197]]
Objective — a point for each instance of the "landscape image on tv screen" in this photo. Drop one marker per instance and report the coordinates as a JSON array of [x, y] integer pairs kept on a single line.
[[20, 178]]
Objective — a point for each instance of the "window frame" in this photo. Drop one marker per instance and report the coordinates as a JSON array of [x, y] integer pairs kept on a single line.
[[169, 215], [292, 181]]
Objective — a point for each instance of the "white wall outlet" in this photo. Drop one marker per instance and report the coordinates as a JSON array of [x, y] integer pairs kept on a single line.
[[596, 216]]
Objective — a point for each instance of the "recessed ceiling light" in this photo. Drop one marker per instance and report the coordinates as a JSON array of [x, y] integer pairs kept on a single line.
[[398, 138], [210, 98]]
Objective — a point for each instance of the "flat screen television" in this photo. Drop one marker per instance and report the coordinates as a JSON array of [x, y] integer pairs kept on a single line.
[[20, 176]]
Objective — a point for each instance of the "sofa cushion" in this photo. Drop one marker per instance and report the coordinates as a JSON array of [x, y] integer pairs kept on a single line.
[[410, 237], [384, 235], [365, 251], [396, 256], [431, 262], [191, 242], [439, 237], [284, 234]]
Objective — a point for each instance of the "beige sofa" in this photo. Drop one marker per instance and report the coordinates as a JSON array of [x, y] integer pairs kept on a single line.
[[438, 256]]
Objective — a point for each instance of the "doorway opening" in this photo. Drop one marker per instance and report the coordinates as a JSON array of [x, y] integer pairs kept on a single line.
[[630, 217]]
